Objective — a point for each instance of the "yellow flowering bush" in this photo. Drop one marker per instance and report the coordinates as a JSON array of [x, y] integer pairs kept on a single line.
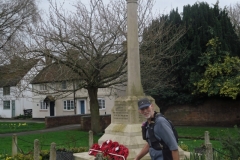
[[184, 147], [5, 157], [20, 156]]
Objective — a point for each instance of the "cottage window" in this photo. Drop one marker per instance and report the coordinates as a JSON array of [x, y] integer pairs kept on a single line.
[[68, 105], [101, 103], [6, 90], [6, 104], [43, 105], [43, 87]]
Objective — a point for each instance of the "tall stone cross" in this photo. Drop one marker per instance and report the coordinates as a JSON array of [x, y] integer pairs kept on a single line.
[[125, 127], [134, 85]]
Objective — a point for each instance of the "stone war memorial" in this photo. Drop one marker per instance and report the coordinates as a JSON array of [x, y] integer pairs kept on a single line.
[[125, 127]]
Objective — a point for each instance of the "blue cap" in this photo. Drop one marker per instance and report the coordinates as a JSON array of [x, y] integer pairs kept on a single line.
[[144, 102]]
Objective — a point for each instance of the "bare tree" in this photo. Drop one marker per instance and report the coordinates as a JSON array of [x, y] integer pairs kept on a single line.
[[234, 15], [160, 55], [89, 42], [15, 16]]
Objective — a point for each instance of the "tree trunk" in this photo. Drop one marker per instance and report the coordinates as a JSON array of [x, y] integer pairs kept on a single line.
[[94, 108], [74, 98]]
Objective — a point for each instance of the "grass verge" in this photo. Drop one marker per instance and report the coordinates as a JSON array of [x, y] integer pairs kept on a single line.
[[63, 139], [14, 127], [192, 137]]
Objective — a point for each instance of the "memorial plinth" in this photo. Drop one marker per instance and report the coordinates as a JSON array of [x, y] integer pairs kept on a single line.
[[125, 127]]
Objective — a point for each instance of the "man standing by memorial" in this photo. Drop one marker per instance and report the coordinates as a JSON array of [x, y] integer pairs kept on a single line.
[[157, 131]]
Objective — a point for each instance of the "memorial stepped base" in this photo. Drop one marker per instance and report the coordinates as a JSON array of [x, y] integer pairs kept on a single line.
[[127, 134], [86, 156]]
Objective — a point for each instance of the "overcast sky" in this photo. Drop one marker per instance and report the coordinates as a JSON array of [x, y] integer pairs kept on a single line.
[[161, 6], [166, 5]]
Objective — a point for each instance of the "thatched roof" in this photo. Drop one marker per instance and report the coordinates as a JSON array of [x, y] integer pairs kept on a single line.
[[83, 69], [55, 72], [12, 73]]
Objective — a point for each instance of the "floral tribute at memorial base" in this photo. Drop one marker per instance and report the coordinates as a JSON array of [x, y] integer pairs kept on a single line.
[[110, 150]]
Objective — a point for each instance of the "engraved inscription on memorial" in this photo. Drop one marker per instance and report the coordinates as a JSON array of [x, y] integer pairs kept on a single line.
[[120, 116], [120, 108], [141, 118]]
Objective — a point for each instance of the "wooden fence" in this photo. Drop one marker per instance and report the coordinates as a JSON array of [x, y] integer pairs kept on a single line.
[[53, 152]]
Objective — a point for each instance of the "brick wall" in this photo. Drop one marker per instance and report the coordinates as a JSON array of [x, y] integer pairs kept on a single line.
[[105, 120], [62, 120], [84, 120], [211, 113]]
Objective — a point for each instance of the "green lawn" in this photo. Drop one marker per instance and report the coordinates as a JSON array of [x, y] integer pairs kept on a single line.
[[190, 136], [63, 139], [214, 132], [13, 127], [193, 137]]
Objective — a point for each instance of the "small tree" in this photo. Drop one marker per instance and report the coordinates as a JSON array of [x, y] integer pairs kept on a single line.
[[221, 75]]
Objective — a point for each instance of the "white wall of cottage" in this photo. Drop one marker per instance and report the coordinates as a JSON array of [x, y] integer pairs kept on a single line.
[[22, 100], [21, 94], [107, 94]]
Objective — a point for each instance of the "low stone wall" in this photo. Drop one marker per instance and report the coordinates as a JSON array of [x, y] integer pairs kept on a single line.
[[56, 121], [83, 119], [86, 122], [211, 113]]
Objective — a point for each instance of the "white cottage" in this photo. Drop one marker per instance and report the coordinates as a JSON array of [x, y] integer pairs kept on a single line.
[[56, 93], [15, 90]]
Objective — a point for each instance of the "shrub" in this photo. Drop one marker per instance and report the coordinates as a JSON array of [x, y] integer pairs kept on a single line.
[[5, 157], [21, 156], [23, 116], [45, 154], [184, 147], [231, 143], [73, 149]]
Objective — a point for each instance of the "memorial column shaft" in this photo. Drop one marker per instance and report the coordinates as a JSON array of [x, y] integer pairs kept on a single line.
[[134, 85]]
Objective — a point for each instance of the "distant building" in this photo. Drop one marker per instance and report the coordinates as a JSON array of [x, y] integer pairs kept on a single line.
[[15, 90], [56, 90]]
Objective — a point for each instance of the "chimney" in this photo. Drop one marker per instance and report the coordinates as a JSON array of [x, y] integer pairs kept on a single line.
[[48, 59]]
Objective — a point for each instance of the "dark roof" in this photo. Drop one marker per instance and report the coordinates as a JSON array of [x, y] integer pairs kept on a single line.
[[55, 72], [12, 73], [58, 72]]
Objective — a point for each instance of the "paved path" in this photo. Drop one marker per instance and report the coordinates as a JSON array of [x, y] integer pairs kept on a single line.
[[22, 120], [65, 127]]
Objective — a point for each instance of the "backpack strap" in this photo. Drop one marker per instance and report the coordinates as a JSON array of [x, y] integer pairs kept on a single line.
[[155, 143], [145, 124], [172, 126]]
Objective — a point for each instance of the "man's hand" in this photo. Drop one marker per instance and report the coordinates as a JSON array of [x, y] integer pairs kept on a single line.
[[175, 155], [143, 152]]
